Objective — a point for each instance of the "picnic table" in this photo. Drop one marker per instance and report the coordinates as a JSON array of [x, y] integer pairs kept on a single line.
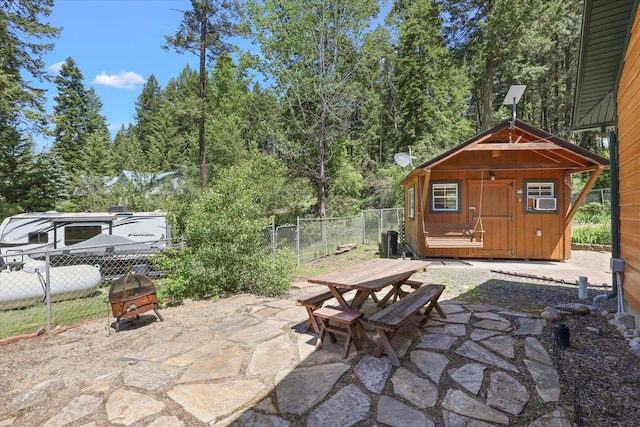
[[370, 277]]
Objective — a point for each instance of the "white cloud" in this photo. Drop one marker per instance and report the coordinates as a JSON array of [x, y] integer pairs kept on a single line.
[[122, 80], [55, 68]]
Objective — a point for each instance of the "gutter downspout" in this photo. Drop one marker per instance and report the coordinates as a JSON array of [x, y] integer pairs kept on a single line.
[[616, 279]]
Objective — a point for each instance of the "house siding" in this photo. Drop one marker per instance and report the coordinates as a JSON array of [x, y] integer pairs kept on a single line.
[[628, 100]]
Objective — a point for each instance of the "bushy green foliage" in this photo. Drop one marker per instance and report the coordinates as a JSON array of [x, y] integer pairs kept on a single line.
[[592, 234], [225, 250], [592, 224], [594, 212]]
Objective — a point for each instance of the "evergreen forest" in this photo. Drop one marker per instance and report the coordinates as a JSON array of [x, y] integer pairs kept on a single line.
[[313, 135]]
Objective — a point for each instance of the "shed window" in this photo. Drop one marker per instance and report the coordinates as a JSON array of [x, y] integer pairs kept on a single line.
[[445, 197], [541, 196], [411, 202]]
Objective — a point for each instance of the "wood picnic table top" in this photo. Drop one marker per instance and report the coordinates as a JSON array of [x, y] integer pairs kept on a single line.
[[371, 275]]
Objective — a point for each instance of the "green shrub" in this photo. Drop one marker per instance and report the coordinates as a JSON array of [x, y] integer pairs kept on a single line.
[[225, 250], [592, 234], [593, 213]]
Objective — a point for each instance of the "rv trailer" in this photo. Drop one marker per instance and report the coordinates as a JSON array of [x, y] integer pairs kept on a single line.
[[37, 232]]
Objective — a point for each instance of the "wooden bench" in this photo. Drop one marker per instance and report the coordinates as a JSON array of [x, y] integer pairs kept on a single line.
[[314, 302], [452, 236], [397, 292], [388, 321], [345, 322]]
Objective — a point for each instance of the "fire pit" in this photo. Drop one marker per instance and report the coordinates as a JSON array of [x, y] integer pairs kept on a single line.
[[132, 295]]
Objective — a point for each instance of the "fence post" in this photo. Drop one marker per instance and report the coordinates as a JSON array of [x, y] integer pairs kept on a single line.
[[363, 225], [274, 243], [47, 289], [298, 239]]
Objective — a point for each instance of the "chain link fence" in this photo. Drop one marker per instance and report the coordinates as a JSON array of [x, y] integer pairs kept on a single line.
[[42, 291], [600, 195], [314, 238]]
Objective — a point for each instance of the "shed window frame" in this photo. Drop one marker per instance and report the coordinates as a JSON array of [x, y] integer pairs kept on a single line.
[[411, 202], [540, 188], [451, 198]]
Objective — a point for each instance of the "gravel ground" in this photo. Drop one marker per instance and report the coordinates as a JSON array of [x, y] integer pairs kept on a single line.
[[600, 377]]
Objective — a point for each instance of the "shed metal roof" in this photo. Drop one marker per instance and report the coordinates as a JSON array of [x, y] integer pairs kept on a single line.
[[606, 26]]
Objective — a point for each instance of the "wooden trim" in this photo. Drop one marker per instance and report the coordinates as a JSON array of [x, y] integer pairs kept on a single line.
[[507, 146], [583, 195]]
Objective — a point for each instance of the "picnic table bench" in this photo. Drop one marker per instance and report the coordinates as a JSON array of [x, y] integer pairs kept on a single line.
[[313, 303], [388, 321]]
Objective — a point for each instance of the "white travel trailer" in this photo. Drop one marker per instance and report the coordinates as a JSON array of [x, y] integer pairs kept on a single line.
[[39, 231]]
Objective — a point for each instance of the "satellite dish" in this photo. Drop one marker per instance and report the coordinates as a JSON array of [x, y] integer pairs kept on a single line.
[[402, 159]]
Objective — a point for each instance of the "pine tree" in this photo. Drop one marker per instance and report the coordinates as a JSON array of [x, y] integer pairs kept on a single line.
[[22, 46], [431, 89], [203, 31], [147, 106], [72, 124]]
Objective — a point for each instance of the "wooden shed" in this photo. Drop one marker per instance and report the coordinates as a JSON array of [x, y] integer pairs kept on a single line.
[[505, 193], [607, 98]]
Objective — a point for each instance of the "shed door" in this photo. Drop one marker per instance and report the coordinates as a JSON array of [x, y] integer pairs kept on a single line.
[[498, 216]]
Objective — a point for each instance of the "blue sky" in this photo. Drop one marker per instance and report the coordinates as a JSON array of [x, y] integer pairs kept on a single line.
[[116, 44]]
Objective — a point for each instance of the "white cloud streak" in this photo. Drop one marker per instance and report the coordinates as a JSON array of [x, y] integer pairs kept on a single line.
[[122, 80], [55, 68]]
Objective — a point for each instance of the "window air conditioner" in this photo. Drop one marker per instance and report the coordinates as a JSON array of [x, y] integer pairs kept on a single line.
[[545, 204]]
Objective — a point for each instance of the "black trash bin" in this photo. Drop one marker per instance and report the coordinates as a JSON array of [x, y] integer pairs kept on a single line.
[[389, 243]]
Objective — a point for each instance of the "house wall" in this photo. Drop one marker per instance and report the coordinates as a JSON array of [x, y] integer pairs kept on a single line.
[[628, 101], [510, 232]]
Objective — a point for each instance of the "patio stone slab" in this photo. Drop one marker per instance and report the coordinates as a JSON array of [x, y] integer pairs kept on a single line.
[[430, 364], [473, 351], [436, 341], [347, 407], [221, 364], [126, 407], [546, 378], [187, 358], [373, 372], [462, 318], [494, 325], [451, 419], [528, 326], [453, 329], [37, 394], [483, 334], [557, 418], [460, 403], [159, 351], [451, 308], [501, 345], [417, 390], [274, 355], [506, 393], [482, 307], [208, 402], [398, 414], [150, 376], [263, 331], [79, 407], [535, 351], [469, 376], [167, 421], [299, 390], [254, 418], [486, 315]]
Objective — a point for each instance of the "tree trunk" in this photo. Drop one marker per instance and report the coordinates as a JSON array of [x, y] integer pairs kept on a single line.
[[202, 96]]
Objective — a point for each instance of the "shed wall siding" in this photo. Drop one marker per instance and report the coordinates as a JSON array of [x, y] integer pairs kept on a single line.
[[521, 241], [629, 167]]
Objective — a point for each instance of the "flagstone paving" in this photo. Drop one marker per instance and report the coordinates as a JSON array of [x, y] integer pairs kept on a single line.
[[481, 366]]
